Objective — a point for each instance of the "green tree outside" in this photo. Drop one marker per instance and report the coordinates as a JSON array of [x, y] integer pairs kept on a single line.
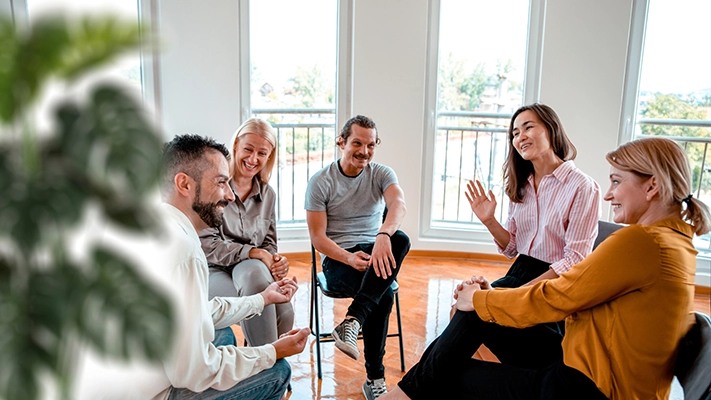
[[670, 106]]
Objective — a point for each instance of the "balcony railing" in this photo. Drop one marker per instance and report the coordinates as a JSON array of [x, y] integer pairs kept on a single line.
[[468, 145], [697, 151], [306, 142]]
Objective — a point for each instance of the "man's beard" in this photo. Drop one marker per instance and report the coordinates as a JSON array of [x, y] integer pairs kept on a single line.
[[208, 212]]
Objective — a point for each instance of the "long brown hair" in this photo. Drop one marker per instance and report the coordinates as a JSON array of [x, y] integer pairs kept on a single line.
[[517, 170]]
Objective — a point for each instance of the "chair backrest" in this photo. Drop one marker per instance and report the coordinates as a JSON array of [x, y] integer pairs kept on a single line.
[[604, 229], [693, 363]]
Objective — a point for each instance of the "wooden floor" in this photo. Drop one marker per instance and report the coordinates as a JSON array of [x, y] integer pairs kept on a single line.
[[426, 286]]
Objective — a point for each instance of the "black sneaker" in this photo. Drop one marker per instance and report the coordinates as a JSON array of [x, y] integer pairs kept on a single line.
[[346, 337], [373, 390]]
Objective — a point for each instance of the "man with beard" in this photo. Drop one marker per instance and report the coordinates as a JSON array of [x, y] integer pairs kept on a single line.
[[362, 251], [206, 363]]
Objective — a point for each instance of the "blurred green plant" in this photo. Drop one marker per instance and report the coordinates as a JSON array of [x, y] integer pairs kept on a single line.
[[101, 153]]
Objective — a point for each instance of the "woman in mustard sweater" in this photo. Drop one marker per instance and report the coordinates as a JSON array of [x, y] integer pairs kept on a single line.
[[626, 306]]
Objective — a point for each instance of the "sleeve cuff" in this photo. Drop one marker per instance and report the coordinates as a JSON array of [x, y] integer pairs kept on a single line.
[[509, 251], [258, 303], [244, 252], [479, 302], [561, 266], [270, 353]]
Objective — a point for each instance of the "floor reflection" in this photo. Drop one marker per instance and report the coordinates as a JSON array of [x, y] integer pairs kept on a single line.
[[426, 288]]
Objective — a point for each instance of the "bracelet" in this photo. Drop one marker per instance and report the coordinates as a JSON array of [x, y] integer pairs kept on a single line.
[[383, 233]]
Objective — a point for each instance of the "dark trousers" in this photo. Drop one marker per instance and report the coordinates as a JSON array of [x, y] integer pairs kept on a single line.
[[372, 299], [522, 271], [446, 369]]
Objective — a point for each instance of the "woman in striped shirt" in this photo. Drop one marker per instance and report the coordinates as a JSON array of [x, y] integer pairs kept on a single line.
[[552, 221]]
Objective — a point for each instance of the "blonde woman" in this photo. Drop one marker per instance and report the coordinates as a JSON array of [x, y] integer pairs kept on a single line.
[[242, 253]]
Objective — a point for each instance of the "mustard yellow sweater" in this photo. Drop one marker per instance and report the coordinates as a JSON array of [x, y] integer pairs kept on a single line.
[[626, 307]]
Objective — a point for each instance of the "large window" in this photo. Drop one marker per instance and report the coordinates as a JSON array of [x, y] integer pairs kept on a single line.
[[481, 66], [126, 69], [674, 91], [293, 60]]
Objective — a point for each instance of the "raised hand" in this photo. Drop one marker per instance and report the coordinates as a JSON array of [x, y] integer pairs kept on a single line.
[[483, 206]]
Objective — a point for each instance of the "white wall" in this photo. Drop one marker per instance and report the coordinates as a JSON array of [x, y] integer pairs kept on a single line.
[[200, 67], [583, 66], [389, 86], [584, 60]]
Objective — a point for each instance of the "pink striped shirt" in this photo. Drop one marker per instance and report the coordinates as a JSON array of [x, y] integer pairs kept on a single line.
[[559, 223]]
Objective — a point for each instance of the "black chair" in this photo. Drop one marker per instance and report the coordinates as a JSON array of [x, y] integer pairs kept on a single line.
[[693, 363], [318, 280], [605, 229]]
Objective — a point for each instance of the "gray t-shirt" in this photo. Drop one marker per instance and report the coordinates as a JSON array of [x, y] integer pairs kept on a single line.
[[354, 205]]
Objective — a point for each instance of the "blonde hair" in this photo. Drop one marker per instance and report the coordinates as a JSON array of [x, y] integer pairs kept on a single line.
[[262, 129], [666, 161]]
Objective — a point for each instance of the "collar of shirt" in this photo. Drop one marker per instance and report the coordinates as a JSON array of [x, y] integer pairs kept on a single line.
[[256, 191], [182, 220], [561, 173], [676, 224]]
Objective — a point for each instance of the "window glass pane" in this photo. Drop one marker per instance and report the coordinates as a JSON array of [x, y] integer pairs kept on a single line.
[[482, 53], [127, 69], [675, 85], [293, 55]]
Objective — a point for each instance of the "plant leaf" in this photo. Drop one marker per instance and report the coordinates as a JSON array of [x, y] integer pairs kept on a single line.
[[96, 41], [54, 46], [123, 302], [8, 68]]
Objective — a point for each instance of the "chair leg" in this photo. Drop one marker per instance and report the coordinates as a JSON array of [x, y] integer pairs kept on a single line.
[[316, 329], [399, 332]]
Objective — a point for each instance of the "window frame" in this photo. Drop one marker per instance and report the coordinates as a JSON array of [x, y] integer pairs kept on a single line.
[[149, 58], [344, 84], [630, 100], [531, 93]]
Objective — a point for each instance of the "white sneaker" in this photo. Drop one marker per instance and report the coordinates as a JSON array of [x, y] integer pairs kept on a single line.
[[373, 390], [346, 337]]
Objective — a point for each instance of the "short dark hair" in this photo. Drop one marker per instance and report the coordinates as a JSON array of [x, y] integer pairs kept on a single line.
[[363, 122], [186, 153]]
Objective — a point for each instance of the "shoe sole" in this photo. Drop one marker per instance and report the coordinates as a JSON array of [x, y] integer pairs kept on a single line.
[[342, 346]]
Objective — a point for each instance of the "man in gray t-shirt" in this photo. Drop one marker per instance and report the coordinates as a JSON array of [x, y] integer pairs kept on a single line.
[[362, 250]]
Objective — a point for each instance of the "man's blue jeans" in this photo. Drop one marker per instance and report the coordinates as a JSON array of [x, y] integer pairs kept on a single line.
[[269, 384], [372, 299]]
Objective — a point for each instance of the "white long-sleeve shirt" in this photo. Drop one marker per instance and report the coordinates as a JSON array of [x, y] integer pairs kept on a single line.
[[195, 363]]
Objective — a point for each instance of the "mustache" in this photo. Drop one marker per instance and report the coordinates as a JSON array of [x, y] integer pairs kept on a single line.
[[222, 203], [362, 157]]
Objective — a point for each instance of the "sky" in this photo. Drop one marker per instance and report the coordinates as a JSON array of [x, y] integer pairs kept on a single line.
[[288, 33], [285, 34], [677, 55], [485, 31]]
